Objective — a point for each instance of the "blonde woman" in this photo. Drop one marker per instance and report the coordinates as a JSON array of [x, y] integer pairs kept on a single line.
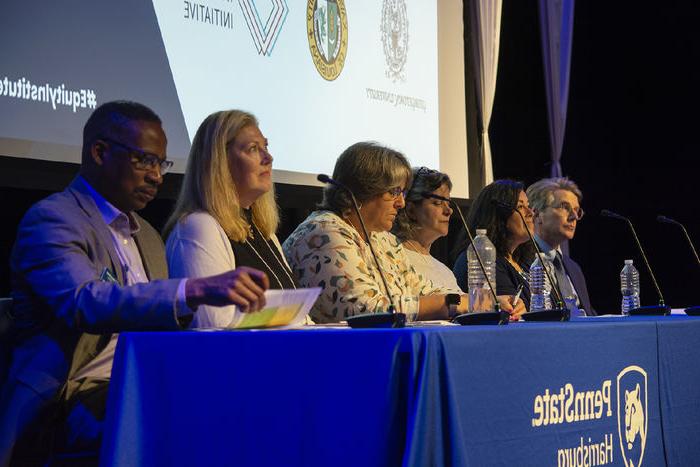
[[226, 215]]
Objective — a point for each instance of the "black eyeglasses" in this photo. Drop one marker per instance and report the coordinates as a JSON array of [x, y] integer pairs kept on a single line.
[[439, 200], [142, 160], [571, 212], [397, 191]]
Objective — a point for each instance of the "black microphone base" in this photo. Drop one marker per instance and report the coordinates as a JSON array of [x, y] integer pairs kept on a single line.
[[482, 318], [651, 310], [377, 320], [693, 311], [555, 314]]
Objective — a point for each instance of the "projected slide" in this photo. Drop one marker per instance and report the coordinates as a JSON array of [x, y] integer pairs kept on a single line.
[[319, 74]]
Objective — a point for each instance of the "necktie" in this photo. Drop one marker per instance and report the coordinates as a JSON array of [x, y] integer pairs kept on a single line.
[[565, 287]]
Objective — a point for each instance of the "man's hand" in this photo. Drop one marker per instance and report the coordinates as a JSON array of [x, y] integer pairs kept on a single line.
[[244, 287]]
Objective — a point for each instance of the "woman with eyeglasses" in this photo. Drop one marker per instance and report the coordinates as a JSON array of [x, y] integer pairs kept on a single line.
[[226, 215], [492, 211], [330, 250], [424, 219]]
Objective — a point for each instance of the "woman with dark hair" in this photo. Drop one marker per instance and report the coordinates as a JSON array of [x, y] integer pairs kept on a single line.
[[426, 218], [506, 231], [330, 250]]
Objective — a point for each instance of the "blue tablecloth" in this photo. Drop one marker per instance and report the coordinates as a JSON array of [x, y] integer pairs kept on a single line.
[[526, 394], [679, 375]]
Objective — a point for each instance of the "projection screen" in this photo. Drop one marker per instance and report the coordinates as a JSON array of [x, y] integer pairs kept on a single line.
[[319, 75]]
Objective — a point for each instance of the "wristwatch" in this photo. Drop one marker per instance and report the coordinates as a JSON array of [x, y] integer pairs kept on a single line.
[[452, 301]]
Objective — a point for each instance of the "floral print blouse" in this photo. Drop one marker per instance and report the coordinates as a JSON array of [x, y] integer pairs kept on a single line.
[[325, 251]]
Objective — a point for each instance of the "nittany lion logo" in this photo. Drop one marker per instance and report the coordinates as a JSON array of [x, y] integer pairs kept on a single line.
[[634, 417], [632, 420]]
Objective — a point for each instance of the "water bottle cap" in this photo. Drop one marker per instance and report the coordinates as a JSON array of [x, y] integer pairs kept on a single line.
[[481, 231], [628, 261]]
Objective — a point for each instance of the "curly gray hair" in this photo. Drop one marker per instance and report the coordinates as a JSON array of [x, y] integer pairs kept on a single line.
[[424, 180]]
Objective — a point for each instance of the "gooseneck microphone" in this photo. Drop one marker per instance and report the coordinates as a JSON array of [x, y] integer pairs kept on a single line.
[[496, 317], [668, 220], [560, 312], [662, 308], [368, 320], [692, 310]]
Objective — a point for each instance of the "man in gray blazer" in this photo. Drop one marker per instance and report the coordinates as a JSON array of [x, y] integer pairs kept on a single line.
[[84, 267]]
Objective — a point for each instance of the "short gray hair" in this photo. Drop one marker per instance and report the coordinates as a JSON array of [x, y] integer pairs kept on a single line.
[[541, 193], [368, 169]]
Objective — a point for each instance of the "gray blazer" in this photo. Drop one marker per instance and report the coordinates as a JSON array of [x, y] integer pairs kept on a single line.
[[65, 308]]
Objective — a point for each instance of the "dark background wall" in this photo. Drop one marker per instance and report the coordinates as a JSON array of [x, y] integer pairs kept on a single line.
[[631, 142], [631, 139]]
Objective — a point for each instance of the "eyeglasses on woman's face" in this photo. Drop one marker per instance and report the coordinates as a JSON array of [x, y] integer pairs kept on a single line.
[[397, 191]]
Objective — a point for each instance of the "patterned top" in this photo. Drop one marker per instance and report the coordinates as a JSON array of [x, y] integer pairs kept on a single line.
[[325, 251]]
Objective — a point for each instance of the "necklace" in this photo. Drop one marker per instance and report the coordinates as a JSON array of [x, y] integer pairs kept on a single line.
[[417, 247], [514, 264], [522, 272], [281, 263]]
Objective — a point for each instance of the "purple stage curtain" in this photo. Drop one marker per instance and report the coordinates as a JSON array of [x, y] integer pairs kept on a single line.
[[556, 25], [485, 28]]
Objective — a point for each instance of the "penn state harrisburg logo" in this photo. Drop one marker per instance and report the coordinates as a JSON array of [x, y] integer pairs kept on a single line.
[[632, 415], [327, 30], [395, 38]]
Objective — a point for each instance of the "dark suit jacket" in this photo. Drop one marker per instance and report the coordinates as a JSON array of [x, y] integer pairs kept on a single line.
[[579, 281], [64, 310]]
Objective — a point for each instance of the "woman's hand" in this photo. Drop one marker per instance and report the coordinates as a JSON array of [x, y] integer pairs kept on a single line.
[[506, 303]]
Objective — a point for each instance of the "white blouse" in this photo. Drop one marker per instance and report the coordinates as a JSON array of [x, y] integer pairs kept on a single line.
[[433, 270], [199, 247]]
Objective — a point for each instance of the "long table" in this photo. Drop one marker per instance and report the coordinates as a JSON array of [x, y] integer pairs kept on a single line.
[[590, 392]]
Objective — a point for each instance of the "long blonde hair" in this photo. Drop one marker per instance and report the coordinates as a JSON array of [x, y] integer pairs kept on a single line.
[[208, 185]]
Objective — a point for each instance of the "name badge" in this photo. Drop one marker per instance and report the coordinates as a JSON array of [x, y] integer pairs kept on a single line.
[[107, 276]]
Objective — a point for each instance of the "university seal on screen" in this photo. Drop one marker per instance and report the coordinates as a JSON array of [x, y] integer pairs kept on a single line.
[[327, 31], [623, 399], [395, 38]]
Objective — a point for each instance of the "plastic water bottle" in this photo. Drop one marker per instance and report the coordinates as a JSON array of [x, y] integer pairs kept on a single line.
[[480, 297], [540, 288], [629, 286]]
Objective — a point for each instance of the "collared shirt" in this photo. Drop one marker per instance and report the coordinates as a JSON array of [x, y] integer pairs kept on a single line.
[[122, 228], [550, 253]]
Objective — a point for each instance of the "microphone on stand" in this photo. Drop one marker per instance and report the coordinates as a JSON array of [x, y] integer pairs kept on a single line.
[[661, 308], [369, 320], [492, 317], [693, 310], [558, 313], [667, 220]]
